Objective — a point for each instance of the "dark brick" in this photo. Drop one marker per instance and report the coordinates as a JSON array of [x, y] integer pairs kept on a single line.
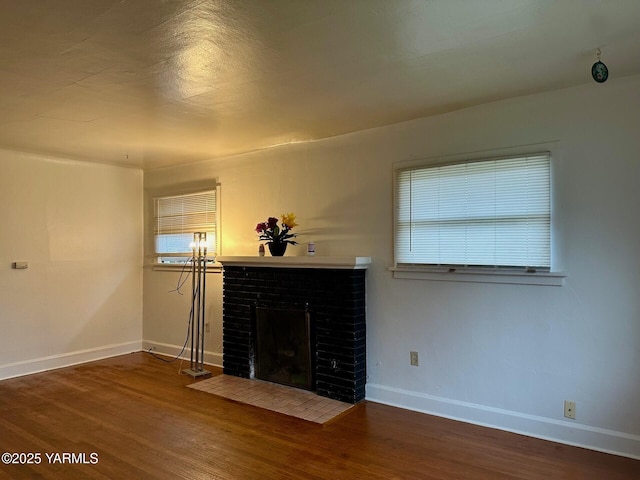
[[336, 301]]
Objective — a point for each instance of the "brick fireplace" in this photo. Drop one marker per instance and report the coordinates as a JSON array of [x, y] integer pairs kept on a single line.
[[331, 289]]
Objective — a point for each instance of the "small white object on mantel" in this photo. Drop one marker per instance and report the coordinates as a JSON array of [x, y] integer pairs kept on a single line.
[[346, 263]]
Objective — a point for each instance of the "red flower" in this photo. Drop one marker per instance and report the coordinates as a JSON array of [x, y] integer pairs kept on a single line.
[[272, 222], [261, 227]]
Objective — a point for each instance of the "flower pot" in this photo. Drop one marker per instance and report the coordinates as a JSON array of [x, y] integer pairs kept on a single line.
[[277, 249]]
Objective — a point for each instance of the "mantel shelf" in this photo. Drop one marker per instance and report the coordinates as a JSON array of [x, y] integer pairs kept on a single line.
[[346, 263]]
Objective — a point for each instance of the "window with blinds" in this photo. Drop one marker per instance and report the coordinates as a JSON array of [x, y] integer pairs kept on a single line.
[[487, 213], [177, 217]]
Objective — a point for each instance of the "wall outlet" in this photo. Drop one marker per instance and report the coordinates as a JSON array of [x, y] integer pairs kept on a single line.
[[570, 409], [413, 356]]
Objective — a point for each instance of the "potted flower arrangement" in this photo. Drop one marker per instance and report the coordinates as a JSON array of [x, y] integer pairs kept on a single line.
[[278, 236]]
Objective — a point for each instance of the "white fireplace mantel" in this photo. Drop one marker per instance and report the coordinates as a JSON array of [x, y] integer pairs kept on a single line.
[[346, 263]]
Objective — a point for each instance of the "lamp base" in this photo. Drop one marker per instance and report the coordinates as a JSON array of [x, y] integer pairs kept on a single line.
[[197, 373]]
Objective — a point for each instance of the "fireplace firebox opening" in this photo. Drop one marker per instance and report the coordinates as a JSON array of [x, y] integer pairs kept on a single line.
[[283, 350]]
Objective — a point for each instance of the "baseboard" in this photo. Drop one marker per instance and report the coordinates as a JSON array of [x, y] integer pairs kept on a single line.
[[43, 364], [569, 433], [210, 358]]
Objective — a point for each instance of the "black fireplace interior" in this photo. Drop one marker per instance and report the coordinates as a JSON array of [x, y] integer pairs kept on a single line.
[[335, 299], [283, 351]]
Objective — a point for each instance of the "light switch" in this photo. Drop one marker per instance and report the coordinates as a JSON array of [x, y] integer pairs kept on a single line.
[[20, 265]]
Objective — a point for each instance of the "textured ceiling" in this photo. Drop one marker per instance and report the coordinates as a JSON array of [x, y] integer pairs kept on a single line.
[[149, 83]]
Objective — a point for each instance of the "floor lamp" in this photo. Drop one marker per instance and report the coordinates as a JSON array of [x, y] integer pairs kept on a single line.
[[198, 289]]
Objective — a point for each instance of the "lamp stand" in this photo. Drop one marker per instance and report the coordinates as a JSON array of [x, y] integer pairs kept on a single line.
[[198, 289]]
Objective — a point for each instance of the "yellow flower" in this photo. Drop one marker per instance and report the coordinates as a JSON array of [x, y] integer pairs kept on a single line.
[[289, 220]]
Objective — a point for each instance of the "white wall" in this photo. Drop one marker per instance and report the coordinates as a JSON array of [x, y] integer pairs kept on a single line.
[[79, 226], [502, 355]]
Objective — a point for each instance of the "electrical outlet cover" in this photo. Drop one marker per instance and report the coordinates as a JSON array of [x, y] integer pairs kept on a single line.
[[570, 409]]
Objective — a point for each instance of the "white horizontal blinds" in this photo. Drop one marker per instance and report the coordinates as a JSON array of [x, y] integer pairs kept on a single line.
[[494, 213], [178, 217]]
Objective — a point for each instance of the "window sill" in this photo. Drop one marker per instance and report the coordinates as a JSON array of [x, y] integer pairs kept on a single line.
[[178, 267], [554, 279]]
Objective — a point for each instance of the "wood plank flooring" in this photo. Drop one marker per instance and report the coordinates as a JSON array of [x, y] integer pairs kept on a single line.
[[135, 413]]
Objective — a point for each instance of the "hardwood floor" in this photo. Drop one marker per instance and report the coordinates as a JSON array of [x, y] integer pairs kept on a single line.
[[135, 413]]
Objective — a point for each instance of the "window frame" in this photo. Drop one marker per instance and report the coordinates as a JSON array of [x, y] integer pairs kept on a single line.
[[152, 257], [554, 276]]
